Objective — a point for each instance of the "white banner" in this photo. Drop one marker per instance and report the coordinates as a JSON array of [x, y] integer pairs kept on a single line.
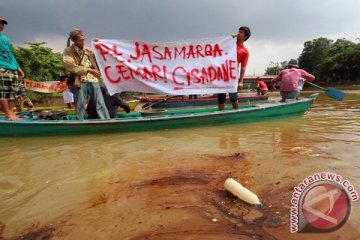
[[45, 87], [202, 66]]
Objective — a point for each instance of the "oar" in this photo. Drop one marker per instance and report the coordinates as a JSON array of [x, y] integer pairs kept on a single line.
[[154, 104], [330, 92]]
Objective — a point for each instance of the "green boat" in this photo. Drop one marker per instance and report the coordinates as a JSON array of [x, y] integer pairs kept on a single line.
[[157, 119]]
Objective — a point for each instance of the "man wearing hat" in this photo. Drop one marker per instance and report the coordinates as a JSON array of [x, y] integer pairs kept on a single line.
[[80, 62], [10, 74], [290, 80]]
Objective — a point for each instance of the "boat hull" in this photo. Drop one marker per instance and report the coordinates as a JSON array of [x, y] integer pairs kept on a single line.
[[172, 119]]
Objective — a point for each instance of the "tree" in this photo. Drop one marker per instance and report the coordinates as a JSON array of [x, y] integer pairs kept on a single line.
[[342, 62], [275, 68], [39, 63], [314, 54], [331, 61], [354, 59]]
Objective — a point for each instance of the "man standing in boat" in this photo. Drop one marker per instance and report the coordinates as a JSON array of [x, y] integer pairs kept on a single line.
[[10, 74], [291, 80], [80, 62], [242, 59]]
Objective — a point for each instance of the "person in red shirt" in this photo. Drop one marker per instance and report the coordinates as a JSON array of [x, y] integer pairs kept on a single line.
[[291, 80], [261, 87], [242, 58]]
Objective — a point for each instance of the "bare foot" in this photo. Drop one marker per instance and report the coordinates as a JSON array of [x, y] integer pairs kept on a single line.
[[12, 118]]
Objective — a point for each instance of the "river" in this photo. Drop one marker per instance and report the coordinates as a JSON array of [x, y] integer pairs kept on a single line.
[[169, 184]]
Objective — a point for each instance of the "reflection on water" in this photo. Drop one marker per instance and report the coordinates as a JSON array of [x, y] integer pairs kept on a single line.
[[169, 184]]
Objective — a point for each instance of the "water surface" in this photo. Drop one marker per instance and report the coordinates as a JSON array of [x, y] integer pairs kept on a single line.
[[169, 184]]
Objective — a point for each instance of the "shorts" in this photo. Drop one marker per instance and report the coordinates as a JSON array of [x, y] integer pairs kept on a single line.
[[290, 95], [9, 84], [262, 91], [68, 96], [222, 97]]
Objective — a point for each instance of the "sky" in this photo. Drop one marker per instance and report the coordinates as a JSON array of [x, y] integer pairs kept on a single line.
[[279, 28]]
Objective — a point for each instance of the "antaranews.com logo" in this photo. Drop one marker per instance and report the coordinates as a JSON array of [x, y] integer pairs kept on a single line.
[[321, 203]]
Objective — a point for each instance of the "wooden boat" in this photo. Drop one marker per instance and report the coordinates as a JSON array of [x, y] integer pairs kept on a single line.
[[161, 119], [178, 102], [132, 105]]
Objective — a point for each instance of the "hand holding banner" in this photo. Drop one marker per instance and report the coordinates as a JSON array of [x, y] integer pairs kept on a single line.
[[202, 66]]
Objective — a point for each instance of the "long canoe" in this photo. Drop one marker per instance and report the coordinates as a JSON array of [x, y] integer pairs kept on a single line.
[[171, 119], [177, 102]]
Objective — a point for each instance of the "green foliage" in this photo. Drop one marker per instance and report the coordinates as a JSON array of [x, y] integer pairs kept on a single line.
[[343, 61], [314, 53], [38, 62], [331, 61]]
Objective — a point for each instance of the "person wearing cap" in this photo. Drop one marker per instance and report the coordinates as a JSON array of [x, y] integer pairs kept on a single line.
[[10, 74], [80, 62], [242, 59], [290, 80]]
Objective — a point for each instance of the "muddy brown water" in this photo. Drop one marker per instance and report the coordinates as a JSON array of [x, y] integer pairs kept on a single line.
[[169, 184]]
